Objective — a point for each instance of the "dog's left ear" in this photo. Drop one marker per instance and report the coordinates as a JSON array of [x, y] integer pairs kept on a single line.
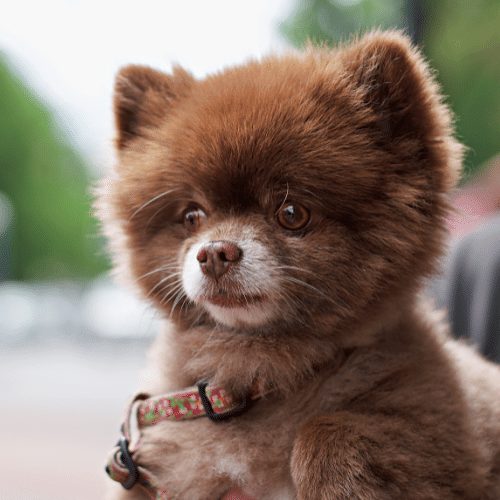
[[395, 81], [398, 86]]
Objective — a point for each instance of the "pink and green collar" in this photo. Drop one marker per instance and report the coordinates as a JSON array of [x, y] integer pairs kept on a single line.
[[144, 410]]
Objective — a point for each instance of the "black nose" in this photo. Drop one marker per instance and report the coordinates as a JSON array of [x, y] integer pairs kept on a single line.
[[216, 257]]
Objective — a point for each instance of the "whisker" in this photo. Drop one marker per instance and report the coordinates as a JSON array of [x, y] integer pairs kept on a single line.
[[152, 200], [198, 318], [178, 298], [295, 268], [175, 289], [165, 267], [284, 200], [163, 280], [300, 269], [291, 303], [153, 217], [185, 302], [291, 279]]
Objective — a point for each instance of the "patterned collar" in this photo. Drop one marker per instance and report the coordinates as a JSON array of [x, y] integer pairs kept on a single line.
[[144, 410]]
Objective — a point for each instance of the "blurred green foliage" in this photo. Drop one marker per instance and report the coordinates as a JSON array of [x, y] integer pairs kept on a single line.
[[459, 37], [462, 40], [46, 180], [327, 21]]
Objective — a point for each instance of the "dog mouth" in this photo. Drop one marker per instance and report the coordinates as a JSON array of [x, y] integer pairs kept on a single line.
[[232, 300]]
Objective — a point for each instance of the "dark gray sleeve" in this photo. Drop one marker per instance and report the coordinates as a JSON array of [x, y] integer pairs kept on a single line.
[[470, 288]]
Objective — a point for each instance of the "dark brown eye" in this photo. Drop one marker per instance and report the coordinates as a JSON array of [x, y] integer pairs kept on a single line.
[[193, 218], [293, 216]]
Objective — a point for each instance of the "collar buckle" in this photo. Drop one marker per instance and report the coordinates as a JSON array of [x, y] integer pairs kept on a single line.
[[121, 466], [210, 413], [127, 460]]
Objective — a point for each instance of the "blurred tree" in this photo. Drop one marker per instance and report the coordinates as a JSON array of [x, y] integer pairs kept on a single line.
[[47, 183], [462, 40], [331, 21], [459, 37]]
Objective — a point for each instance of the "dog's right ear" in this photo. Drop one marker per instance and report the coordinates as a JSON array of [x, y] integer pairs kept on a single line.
[[142, 98]]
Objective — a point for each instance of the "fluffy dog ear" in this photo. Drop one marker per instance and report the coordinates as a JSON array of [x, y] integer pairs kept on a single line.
[[396, 83], [143, 96]]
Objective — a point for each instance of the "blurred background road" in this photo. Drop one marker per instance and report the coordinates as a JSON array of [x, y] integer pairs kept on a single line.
[[60, 409], [71, 342]]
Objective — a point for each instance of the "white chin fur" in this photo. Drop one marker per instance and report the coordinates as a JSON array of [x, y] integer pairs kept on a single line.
[[252, 315]]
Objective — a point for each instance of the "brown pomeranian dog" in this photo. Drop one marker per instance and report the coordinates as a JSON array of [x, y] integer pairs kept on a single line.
[[282, 215]]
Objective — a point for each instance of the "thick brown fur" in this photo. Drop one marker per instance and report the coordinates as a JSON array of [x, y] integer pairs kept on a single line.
[[365, 394]]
